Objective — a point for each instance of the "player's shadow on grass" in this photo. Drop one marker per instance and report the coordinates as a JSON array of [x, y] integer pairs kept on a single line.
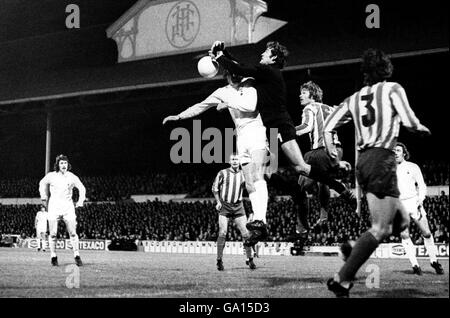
[[410, 272], [279, 281], [404, 293]]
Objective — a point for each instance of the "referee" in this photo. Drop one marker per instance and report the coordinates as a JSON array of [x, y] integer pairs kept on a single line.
[[227, 189]]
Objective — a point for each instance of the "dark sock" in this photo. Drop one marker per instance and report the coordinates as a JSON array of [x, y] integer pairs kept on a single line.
[[361, 252], [301, 205], [220, 246], [248, 249]]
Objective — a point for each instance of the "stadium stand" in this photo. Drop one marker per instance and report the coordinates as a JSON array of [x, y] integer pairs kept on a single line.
[[184, 221]]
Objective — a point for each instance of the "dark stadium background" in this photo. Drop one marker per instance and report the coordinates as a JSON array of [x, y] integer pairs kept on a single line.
[[121, 133]]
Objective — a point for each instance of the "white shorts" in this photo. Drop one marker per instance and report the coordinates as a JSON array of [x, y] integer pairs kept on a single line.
[[411, 207], [64, 210], [41, 228], [249, 140]]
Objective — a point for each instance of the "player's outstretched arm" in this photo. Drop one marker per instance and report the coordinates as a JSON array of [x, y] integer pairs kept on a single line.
[[170, 118]]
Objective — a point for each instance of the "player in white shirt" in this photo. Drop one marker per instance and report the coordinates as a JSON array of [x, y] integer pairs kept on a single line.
[[413, 190], [60, 204], [40, 223], [240, 97]]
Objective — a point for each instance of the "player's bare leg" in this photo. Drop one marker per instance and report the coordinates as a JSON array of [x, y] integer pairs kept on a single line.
[[382, 212], [52, 227], [428, 241], [293, 153], [221, 238], [240, 223], [71, 225]]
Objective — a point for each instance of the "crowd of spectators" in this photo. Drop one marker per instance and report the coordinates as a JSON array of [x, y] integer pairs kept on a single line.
[[197, 220], [192, 183]]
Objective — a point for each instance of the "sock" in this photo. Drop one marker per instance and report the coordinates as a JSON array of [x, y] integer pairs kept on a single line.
[[74, 242], [302, 207], [410, 251], [220, 246], [248, 249], [254, 201], [52, 245], [263, 197], [323, 214], [361, 252], [431, 248]]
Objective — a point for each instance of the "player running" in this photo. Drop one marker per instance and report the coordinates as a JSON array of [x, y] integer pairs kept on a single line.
[[376, 110], [60, 204], [413, 190], [227, 189]]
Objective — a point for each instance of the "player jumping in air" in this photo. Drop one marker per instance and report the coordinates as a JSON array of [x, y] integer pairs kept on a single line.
[[60, 204], [376, 110], [313, 118], [240, 97], [413, 190], [271, 89]]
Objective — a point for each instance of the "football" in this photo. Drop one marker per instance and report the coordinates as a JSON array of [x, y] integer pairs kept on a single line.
[[207, 67]]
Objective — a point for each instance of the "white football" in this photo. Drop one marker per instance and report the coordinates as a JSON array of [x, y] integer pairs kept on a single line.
[[207, 67]]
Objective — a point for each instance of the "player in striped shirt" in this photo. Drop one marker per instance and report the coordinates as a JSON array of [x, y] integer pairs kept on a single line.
[[227, 189], [413, 190], [313, 119], [377, 111]]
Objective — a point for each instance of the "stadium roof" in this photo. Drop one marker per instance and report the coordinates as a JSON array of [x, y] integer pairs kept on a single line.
[[41, 60]]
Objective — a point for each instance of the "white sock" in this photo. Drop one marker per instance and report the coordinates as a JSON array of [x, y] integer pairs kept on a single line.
[[263, 197], [74, 242], [254, 200], [431, 248], [52, 245], [410, 251]]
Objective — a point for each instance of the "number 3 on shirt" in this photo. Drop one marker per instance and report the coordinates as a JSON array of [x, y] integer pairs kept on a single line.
[[369, 118]]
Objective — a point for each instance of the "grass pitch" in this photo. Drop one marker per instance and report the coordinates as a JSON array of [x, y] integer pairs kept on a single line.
[[27, 273]]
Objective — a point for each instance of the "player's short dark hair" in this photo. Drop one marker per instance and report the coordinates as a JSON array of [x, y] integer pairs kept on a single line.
[[376, 66], [280, 51], [236, 79], [405, 150], [63, 158], [315, 92]]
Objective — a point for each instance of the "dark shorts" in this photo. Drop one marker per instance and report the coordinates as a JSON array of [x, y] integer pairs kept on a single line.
[[376, 172], [322, 161], [320, 158], [232, 211], [285, 127]]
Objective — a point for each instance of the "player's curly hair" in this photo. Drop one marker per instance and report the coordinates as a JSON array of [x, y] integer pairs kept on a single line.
[[280, 51], [376, 66], [405, 150], [315, 92], [58, 159]]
